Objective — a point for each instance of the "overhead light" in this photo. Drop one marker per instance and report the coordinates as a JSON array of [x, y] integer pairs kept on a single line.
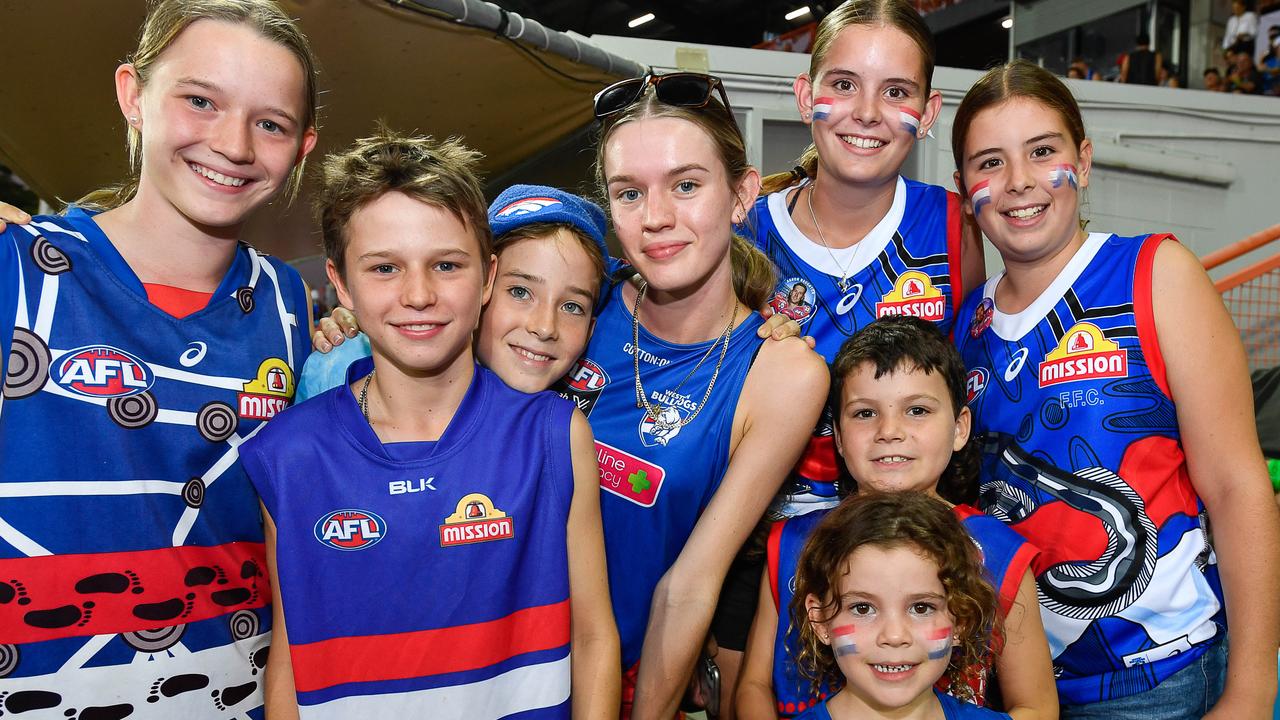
[[640, 20], [1006, 22], [798, 12]]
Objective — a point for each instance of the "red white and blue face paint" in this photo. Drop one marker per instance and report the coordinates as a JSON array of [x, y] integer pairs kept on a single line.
[[1059, 174], [980, 196], [822, 108], [910, 120], [938, 643], [842, 642]]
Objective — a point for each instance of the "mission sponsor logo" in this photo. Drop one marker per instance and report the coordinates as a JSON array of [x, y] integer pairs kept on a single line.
[[582, 384], [350, 529], [628, 476], [1084, 353], [913, 294], [476, 520], [269, 392], [103, 371]]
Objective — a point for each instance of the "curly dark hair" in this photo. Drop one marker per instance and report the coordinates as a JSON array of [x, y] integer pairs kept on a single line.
[[891, 520], [901, 342]]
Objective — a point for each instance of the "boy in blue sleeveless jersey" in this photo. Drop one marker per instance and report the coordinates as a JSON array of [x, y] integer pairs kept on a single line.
[[898, 396], [426, 523]]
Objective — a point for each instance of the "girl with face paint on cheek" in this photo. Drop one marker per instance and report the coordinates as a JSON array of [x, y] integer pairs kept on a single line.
[[1074, 317], [890, 597]]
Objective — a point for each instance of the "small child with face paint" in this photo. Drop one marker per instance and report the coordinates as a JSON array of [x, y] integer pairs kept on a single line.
[[901, 425], [890, 597]]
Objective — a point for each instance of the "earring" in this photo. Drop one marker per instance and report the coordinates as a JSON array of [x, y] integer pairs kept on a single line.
[[133, 119]]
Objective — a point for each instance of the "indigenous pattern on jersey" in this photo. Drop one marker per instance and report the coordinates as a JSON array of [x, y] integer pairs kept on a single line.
[[1081, 455], [428, 581], [907, 265], [1005, 555], [656, 478], [131, 550]]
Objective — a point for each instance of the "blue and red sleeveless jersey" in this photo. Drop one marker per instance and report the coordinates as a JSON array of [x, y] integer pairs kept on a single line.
[[1081, 455], [131, 549], [1005, 555], [654, 481], [909, 264], [423, 579]]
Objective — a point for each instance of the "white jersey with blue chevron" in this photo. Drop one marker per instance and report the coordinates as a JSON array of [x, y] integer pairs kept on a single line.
[[423, 580], [908, 264], [655, 478], [132, 579], [1082, 456]]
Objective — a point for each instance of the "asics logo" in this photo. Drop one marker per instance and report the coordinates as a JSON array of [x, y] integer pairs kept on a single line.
[[1015, 365]]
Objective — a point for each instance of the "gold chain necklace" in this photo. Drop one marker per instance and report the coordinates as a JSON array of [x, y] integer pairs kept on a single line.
[[661, 426], [844, 269], [364, 396]]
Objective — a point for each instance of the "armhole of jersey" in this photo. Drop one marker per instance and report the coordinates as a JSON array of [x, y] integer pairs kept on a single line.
[[955, 261], [774, 547], [1018, 566], [560, 449], [1144, 311]]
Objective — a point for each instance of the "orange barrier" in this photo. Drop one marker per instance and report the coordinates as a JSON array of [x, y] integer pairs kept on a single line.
[[1252, 296]]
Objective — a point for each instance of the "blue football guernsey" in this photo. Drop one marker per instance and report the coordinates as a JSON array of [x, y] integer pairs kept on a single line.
[[908, 264], [655, 481], [952, 709], [131, 555], [427, 581], [1005, 555], [1081, 455]]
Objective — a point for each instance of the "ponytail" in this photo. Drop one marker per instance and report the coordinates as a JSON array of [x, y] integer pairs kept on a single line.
[[753, 276], [806, 167]]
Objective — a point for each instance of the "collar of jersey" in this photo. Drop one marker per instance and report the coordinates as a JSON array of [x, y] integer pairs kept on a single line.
[[82, 221], [464, 422], [1013, 326], [837, 261]]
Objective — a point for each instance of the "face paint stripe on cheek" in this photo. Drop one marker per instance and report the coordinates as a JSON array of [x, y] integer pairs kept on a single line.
[[822, 108], [842, 640], [980, 196], [1065, 172], [939, 643], [910, 120]]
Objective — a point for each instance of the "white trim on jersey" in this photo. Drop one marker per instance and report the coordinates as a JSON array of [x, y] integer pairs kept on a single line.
[[287, 319], [524, 688], [1012, 327], [20, 541], [188, 519], [837, 261], [90, 487]]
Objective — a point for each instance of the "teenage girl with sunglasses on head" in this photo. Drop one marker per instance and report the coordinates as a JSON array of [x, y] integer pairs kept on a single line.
[[1118, 427], [697, 420], [133, 553]]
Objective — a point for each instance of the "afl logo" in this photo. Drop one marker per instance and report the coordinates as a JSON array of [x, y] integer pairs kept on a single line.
[[350, 529], [102, 371], [975, 383], [527, 206], [586, 376]]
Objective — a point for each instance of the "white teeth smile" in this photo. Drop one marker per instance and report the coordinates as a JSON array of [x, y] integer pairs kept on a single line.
[[1024, 213], [893, 459], [419, 328], [892, 668], [530, 355], [863, 143], [217, 176]]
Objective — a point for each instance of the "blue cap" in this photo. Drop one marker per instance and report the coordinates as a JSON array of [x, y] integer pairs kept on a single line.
[[521, 205]]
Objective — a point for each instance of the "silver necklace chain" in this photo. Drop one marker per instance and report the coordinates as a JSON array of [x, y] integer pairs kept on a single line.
[[642, 399], [364, 396], [844, 269]]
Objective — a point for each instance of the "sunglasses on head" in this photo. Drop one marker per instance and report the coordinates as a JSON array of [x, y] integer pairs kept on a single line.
[[681, 89]]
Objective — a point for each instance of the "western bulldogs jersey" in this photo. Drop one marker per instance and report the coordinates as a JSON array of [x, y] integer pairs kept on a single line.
[[952, 709], [423, 579], [1081, 455], [656, 478], [132, 577], [1005, 555], [909, 264]]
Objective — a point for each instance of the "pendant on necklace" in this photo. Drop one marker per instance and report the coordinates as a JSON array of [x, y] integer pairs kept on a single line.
[[843, 284]]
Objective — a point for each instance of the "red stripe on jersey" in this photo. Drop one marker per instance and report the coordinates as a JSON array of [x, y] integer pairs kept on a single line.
[[774, 549], [176, 301], [955, 256], [424, 653], [1144, 313], [819, 460], [60, 596]]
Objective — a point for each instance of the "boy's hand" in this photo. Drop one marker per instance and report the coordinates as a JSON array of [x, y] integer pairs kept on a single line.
[[781, 327], [331, 331], [11, 214]]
